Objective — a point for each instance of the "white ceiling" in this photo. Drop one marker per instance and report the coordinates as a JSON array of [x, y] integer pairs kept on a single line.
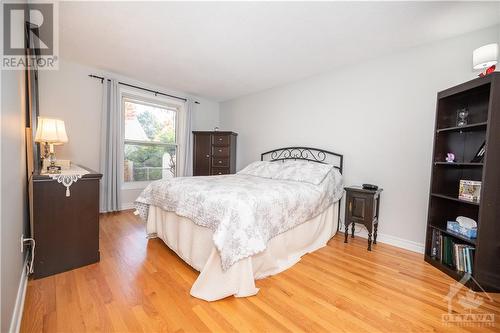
[[222, 50]]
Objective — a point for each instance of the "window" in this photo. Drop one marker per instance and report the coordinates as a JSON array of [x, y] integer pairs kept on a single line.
[[150, 145]]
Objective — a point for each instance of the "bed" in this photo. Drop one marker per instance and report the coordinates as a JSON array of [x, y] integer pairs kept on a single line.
[[235, 229]]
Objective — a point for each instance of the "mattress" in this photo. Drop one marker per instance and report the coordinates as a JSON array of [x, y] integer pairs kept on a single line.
[[194, 244]]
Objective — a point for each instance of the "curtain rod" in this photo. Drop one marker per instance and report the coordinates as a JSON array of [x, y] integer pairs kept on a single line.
[[141, 88]]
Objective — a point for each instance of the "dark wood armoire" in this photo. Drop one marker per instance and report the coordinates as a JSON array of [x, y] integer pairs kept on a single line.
[[214, 153]]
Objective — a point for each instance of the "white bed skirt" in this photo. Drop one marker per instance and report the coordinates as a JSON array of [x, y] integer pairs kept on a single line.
[[195, 246]]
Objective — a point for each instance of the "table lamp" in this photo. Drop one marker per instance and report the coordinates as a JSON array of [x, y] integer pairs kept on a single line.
[[51, 132]]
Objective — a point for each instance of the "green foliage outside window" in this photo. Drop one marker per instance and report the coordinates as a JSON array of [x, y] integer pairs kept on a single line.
[[146, 161]]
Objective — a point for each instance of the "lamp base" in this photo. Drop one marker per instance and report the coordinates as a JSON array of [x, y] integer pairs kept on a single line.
[[488, 71]]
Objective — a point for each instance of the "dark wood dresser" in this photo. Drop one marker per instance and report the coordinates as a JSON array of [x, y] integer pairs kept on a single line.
[[214, 153], [65, 228]]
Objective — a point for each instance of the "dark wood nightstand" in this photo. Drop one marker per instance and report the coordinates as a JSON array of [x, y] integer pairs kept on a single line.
[[362, 206]]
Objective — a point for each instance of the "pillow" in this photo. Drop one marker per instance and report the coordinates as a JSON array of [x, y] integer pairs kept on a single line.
[[303, 171], [264, 169]]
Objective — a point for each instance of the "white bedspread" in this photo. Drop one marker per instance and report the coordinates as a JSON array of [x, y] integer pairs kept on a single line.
[[243, 212]]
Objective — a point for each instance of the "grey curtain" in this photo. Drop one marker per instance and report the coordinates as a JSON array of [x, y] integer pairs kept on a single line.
[[186, 142], [111, 140]]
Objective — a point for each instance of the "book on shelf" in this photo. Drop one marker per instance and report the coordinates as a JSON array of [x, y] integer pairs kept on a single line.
[[480, 154], [435, 241], [451, 252]]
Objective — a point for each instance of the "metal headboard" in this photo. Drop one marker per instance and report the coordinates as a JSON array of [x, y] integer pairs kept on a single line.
[[306, 154]]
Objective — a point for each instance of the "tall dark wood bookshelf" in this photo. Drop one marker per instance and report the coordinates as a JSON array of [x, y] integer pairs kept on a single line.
[[481, 97]]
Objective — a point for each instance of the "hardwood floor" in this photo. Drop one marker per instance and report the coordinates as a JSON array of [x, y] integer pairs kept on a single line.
[[142, 286]]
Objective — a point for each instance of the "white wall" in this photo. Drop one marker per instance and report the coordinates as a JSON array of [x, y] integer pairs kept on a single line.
[[14, 213], [69, 94], [379, 114]]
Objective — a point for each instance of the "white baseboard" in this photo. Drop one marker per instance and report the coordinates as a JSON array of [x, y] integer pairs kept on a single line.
[[128, 205], [392, 240], [17, 314]]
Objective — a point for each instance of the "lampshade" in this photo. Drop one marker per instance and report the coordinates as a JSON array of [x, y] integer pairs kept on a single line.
[[51, 131], [485, 56]]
